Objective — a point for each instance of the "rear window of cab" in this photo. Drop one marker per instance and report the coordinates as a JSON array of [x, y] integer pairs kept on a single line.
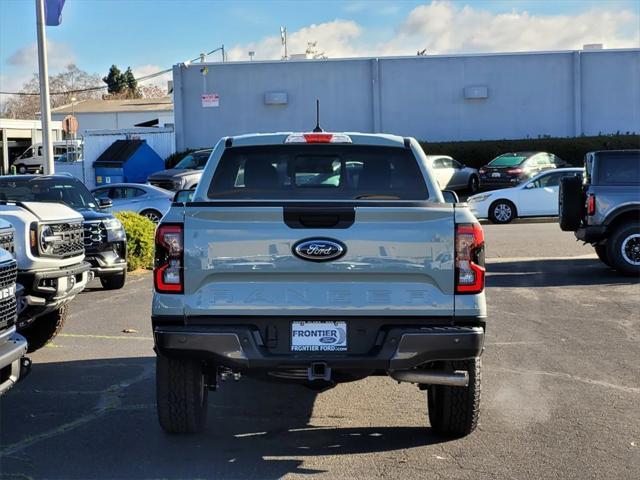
[[318, 172], [618, 168]]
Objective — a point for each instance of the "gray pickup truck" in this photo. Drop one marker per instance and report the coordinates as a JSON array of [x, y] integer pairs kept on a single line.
[[310, 258], [604, 208]]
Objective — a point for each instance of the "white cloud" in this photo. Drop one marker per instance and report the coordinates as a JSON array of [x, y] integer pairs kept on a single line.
[[59, 55], [447, 27], [159, 81]]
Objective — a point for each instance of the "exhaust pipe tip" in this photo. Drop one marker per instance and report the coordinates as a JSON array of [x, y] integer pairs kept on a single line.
[[458, 378]]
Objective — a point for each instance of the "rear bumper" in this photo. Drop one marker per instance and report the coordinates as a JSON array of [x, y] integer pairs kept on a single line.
[[13, 347], [503, 182], [591, 234], [241, 348]]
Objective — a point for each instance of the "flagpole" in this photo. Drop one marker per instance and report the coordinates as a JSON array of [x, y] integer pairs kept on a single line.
[[43, 72]]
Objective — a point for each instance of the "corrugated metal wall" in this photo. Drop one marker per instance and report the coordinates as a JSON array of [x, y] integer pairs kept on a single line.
[[162, 140]]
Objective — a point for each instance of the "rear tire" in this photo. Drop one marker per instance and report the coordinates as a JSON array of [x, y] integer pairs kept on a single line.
[[114, 282], [601, 251], [570, 203], [152, 215], [454, 411], [502, 211], [474, 184], [44, 328], [623, 249], [181, 394]]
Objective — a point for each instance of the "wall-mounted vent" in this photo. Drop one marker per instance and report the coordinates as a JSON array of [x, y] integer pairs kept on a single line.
[[275, 98], [476, 92]]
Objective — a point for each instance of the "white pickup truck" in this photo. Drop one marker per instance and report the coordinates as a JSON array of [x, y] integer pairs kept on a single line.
[[309, 257]]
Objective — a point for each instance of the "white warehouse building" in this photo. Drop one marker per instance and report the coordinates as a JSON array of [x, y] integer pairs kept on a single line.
[[433, 97]]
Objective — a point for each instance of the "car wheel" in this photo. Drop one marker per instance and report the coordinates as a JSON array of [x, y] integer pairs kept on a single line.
[[152, 215], [453, 411], [44, 328], [114, 282], [21, 169], [474, 184], [601, 251], [502, 211], [181, 394], [624, 249]]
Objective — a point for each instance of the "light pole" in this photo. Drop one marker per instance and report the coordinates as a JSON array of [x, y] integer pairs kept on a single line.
[[43, 72]]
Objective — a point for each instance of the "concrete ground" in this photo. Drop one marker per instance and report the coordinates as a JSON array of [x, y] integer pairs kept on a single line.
[[560, 394]]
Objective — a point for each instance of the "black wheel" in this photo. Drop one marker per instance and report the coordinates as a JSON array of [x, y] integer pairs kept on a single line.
[[44, 328], [601, 251], [474, 184], [21, 169], [152, 215], [623, 248], [502, 211], [181, 394], [114, 282], [453, 411], [570, 203]]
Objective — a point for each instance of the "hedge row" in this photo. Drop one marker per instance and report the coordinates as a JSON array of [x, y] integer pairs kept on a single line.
[[479, 153]]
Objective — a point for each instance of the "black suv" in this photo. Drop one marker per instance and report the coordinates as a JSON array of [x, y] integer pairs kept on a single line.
[[105, 240], [510, 169]]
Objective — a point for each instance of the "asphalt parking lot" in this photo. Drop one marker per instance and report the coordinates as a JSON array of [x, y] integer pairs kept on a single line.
[[561, 389]]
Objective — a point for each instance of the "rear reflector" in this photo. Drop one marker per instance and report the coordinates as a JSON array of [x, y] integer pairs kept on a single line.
[[591, 205], [470, 271], [318, 138]]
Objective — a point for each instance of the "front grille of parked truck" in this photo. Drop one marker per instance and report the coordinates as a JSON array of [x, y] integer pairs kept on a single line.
[[95, 236], [6, 241], [8, 305], [63, 240]]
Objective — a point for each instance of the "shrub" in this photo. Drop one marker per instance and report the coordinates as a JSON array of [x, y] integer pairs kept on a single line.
[[140, 239], [478, 153]]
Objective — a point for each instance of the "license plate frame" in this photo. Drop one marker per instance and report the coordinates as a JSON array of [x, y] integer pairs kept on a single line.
[[322, 337], [495, 175]]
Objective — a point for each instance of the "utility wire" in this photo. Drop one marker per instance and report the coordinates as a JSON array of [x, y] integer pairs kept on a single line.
[[102, 87]]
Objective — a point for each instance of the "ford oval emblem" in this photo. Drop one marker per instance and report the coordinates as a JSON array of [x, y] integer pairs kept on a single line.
[[319, 249]]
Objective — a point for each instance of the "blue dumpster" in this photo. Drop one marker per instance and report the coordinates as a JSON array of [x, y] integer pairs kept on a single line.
[[129, 161]]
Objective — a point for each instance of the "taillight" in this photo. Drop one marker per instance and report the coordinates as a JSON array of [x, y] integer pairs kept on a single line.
[[515, 171], [591, 205], [470, 269], [168, 271]]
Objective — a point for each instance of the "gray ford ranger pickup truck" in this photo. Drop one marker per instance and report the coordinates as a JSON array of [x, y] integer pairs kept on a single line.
[[308, 257], [604, 209]]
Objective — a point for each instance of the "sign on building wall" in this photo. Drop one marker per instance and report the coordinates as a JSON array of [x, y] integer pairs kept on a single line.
[[210, 100]]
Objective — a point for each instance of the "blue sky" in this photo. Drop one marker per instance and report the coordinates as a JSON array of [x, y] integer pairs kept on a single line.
[[153, 34]]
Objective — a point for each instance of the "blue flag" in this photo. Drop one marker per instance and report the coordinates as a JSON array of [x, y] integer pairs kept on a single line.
[[53, 12]]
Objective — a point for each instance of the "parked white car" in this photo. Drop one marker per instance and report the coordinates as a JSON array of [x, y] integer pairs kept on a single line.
[[453, 175], [537, 197], [147, 200], [32, 160]]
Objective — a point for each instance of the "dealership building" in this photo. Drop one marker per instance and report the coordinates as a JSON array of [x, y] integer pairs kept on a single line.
[[432, 97]]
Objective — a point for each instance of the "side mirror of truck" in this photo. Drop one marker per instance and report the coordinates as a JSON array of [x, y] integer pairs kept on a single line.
[[183, 196], [450, 196], [104, 203]]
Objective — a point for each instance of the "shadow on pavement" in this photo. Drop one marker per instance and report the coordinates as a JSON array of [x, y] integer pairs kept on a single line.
[[554, 273], [97, 419]]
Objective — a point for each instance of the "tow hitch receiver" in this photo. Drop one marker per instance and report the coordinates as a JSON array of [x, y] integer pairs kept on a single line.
[[319, 371]]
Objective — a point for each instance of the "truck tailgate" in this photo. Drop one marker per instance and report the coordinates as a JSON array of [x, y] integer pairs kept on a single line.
[[240, 261]]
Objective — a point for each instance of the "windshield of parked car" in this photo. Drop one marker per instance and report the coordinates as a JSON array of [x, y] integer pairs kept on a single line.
[[194, 161], [507, 160], [46, 189], [326, 172]]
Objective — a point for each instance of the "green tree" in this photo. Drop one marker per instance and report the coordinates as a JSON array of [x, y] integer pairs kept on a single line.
[[131, 83], [115, 80]]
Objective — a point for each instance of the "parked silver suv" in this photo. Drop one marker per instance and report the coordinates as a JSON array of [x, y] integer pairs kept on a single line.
[[605, 209]]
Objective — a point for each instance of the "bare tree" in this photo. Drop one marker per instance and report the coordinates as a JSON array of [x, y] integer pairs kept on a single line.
[[70, 80], [312, 51]]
